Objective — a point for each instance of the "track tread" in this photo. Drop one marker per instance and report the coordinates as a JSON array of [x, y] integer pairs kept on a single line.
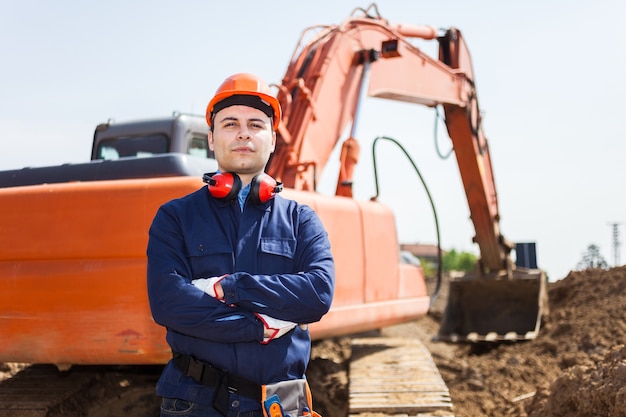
[[395, 376]]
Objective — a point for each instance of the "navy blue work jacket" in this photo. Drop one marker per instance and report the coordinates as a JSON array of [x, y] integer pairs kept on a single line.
[[278, 260]]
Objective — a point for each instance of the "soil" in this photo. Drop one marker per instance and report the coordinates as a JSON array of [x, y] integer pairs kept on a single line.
[[576, 367]]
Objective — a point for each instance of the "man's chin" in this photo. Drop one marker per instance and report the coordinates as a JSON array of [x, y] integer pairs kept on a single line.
[[244, 169]]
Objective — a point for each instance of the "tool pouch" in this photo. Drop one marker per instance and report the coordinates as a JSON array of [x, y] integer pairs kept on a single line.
[[288, 398]]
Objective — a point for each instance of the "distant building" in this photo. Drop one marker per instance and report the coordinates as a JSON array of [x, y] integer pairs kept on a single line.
[[423, 251]]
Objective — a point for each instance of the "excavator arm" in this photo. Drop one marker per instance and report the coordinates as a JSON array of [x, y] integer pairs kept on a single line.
[[331, 69], [474, 160], [321, 91]]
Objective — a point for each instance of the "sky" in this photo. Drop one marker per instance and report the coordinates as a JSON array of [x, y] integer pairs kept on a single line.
[[550, 78]]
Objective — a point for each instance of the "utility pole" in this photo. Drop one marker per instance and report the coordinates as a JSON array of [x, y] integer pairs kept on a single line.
[[616, 243]]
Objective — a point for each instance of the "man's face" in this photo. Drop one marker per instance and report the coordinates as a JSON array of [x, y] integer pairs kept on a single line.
[[242, 140]]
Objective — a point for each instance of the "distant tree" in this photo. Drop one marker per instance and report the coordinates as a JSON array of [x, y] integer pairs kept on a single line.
[[592, 259], [458, 261], [448, 260], [466, 262]]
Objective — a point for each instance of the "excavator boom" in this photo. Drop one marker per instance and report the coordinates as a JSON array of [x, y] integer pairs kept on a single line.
[[367, 55]]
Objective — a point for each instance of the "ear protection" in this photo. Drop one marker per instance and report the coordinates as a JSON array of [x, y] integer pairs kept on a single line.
[[226, 186]]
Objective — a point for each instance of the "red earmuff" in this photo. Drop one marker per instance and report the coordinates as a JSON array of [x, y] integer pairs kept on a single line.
[[223, 185], [263, 188], [226, 185]]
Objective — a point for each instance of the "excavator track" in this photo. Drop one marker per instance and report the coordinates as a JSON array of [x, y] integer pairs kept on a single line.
[[396, 376], [92, 391], [390, 376]]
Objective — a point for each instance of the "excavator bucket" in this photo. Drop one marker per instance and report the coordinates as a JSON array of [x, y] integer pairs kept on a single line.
[[495, 308]]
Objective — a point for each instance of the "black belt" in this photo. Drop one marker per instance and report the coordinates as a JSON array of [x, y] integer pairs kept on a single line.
[[222, 381]]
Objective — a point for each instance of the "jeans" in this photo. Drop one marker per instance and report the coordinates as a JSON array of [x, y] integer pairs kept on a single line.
[[173, 407]]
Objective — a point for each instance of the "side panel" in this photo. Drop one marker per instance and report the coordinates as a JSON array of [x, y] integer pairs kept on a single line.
[[342, 218], [73, 271], [78, 312], [382, 252], [373, 289]]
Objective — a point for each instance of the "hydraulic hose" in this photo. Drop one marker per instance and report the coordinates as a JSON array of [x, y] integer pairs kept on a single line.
[[435, 293], [436, 135]]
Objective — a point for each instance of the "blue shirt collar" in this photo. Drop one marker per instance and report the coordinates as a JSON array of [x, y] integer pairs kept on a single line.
[[243, 194]]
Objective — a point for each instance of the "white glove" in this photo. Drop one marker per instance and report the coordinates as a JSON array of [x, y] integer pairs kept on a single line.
[[208, 285], [277, 327]]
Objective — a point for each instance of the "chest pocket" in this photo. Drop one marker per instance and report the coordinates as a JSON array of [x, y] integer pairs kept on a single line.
[[278, 254], [209, 257]]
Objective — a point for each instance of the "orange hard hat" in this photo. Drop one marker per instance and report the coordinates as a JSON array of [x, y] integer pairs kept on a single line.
[[236, 88]]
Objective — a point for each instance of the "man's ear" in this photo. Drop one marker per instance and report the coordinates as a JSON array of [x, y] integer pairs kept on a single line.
[[210, 140]]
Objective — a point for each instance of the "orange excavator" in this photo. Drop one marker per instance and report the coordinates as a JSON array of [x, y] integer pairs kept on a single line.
[[73, 237]]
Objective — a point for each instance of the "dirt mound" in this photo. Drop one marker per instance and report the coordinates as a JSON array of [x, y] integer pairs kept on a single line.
[[575, 367], [587, 328], [582, 390]]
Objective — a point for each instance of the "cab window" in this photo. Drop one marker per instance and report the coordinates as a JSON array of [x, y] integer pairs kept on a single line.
[[198, 146], [135, 146]]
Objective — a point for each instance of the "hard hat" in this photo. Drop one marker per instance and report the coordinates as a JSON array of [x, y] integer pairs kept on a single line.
[[246, 89]]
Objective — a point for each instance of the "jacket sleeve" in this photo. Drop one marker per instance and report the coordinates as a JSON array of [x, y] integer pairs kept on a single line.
[[303, 295], [176, 303]]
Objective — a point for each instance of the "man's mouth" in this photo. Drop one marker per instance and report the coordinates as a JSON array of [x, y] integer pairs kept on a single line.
[[242, 149]]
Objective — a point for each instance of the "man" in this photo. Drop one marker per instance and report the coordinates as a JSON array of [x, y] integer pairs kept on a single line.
[[235, 271]]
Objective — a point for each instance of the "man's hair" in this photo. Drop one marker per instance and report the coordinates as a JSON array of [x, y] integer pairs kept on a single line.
[[244, 100]]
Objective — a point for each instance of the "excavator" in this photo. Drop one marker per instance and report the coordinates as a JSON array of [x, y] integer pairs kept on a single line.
[[72, 250]]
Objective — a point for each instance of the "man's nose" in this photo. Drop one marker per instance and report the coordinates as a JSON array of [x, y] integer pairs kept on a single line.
[[244, 133]]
